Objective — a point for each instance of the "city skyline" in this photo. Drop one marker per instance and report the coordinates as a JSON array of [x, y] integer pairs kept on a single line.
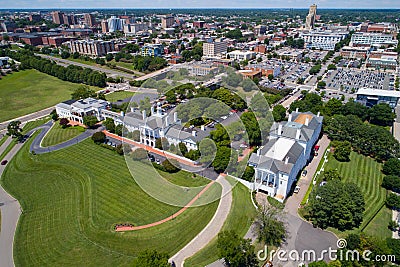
[[91, 4]]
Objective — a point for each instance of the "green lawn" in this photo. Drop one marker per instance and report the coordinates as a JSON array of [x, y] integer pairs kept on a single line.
[[72, 197], [28, 91], [366, 173], [58, 135], [239, 220], [184, 178], [379, 225], [119, 95]]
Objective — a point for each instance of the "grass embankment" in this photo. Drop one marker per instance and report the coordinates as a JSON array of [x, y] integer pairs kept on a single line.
[[239, 220], [366, 173], [71, 198]]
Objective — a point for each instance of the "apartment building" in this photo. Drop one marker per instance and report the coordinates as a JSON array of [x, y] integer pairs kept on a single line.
[[96, 48]]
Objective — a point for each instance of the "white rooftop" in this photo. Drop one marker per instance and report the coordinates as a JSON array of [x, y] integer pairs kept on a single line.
[[378, 92], [280, 148]]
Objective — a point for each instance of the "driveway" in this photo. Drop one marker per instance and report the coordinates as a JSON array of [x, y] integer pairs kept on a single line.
[[35, 146], [301, 234]]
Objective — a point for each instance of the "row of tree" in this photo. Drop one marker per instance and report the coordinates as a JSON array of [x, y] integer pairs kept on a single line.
[[71, 73]]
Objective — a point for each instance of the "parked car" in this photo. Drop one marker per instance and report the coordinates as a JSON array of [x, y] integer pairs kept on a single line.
[[4, 162], [296, 189], [304, 173], [158, 161]]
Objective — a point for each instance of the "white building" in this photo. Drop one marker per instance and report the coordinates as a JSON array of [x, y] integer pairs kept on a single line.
[[214, 49], [135, 28], [158, 125], [75, 110], [287, 151], [241, 55], [373, 39], [115, 24], [325, 40]]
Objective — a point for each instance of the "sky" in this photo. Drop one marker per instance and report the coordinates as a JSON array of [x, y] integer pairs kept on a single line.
[[34, 4]]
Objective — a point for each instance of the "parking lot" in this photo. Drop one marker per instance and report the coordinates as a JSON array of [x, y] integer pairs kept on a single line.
[[348, 80]]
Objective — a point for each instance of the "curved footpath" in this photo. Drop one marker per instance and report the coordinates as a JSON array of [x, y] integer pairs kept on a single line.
[[213, 227], [9, 206]]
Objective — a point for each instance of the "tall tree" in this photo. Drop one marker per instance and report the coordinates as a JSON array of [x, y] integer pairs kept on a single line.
[[236, 251], [14, 130], [269, 225]]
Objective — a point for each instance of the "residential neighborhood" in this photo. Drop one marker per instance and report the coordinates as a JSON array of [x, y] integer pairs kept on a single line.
[[241, 134]]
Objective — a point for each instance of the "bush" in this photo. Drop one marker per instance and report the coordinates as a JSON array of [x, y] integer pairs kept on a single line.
[[139, 154], [391, 182], [393, 201], [342, 151], [391, 167], [171, 165], [99, 137]]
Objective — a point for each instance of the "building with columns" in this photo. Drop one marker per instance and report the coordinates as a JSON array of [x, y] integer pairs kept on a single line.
[[289, 148]]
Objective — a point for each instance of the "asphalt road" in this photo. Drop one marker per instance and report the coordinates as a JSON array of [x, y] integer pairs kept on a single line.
[[10, 212], [26, 118]]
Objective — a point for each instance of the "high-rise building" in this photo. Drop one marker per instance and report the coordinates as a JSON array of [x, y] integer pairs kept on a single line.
[[115, 24], [134, 28], [104, 26], [68, 19], [310, 19], [214, 49], [35, 17], [167, 21], [92, 47], [89, 20], [57, 17]]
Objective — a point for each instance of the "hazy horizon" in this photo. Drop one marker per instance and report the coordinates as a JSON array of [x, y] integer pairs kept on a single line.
[[196, 4]]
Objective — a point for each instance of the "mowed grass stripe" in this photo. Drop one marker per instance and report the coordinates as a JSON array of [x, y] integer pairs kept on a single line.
[[63, 220], [366, 173], [58, 135]]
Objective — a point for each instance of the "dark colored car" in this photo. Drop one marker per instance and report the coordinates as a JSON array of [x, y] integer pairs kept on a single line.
[[4, 162]]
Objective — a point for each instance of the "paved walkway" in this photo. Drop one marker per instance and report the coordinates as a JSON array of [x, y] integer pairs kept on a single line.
[[179, 212], [213, 227]]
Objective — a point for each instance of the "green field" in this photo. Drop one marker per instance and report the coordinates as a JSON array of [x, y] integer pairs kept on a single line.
[[366, 173], [58, 135], [379, 225], [239, 220], [71, 198], [119, 95], [28, 91]]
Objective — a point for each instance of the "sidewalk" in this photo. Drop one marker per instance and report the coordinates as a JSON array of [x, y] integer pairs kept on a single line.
[[211, 230]]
